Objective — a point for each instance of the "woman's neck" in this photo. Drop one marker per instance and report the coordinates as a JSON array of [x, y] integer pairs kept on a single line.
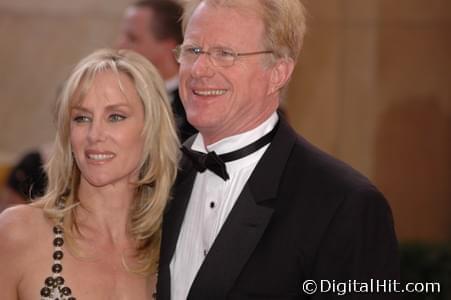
[[103, 212]]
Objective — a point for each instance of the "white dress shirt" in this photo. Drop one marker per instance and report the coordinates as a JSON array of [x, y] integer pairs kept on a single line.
[[210, 203]]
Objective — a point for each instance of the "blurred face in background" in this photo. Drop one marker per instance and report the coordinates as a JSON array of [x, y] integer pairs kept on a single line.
[[136, 34]]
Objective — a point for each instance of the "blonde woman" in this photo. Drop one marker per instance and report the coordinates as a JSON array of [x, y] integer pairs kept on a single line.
[[95, 234]]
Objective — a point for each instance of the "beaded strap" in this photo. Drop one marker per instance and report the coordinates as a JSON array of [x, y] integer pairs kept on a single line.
[[54, 287]]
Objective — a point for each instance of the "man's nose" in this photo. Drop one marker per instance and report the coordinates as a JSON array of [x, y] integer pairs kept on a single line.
[[202, 66]]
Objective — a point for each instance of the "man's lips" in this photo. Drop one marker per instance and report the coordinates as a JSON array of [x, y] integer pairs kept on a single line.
[[209, 92]]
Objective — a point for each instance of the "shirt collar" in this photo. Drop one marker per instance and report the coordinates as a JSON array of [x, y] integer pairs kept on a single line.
[[237, 141]]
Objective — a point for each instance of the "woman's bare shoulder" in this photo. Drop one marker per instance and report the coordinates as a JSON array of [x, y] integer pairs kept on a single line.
[[20, 224], [22, 230]]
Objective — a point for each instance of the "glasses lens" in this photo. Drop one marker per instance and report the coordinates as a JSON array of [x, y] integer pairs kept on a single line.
[[222, 57], [186, 54]]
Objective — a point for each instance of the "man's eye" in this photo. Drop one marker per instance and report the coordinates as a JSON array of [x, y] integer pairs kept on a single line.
[[193, 50], [116, 118], [81, 119], [224, 53]]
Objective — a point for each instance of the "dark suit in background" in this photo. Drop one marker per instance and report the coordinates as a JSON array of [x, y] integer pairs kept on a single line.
[[184, 127]]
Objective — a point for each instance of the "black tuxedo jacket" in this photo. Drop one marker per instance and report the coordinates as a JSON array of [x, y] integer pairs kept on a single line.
[[184, 127], [302, 215]]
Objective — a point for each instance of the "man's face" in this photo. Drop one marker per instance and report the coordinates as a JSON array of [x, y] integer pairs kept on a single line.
[[224, 101], [136, 34]]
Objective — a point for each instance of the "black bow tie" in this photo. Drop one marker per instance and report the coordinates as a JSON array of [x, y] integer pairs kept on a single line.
[[216, 163]]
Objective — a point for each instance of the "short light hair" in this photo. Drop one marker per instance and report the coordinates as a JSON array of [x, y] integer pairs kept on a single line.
[[284, 21], [158, 165]]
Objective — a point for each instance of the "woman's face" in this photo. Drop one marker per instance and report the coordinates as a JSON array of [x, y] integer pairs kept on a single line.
[[106, 128]]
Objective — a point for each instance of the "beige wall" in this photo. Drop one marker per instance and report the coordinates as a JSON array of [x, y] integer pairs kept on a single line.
[[372, 87], [40, 42]]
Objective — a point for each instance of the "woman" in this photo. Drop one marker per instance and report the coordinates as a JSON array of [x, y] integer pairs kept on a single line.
[[95, 234]]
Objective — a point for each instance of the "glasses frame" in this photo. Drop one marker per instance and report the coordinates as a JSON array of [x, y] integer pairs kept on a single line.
[[178, 51]]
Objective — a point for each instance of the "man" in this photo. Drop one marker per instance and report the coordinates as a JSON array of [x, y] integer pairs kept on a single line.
[[278, 212], [152, 28]]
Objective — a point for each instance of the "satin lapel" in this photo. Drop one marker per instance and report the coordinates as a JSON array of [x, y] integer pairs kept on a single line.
[[231, 249], [175, 211], [265, 179], [246, 223], [172, 223], [175, 214]]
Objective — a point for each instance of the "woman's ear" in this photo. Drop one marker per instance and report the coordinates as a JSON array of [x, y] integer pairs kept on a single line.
[[280, 74]]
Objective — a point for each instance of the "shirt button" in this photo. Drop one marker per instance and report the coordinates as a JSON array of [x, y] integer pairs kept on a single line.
[[212, 204]]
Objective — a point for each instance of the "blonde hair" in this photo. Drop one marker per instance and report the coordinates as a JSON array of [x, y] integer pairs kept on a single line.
[[158, 166], [284, 21]]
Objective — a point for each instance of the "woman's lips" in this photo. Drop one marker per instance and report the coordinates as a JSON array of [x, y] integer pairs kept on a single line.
[[99, 156]]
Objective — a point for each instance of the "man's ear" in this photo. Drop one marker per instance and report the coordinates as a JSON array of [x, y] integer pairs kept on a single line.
[[280, 74]]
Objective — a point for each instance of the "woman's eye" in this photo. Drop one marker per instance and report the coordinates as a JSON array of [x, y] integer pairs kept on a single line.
[[116, 117], [81, 119]]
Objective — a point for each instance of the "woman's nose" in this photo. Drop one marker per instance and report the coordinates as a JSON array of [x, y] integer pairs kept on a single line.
[[97, 131]]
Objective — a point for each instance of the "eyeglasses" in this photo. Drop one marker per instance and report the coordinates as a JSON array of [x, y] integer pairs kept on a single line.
[[219, 57]]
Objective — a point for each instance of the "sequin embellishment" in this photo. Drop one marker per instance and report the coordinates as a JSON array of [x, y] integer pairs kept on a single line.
[[54, 286]]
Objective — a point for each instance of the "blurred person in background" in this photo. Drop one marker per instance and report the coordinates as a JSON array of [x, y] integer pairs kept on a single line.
[[109, 178], [27, 179], [153, 29]]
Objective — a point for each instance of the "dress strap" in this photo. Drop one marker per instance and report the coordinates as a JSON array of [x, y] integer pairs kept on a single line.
[[54, 285]]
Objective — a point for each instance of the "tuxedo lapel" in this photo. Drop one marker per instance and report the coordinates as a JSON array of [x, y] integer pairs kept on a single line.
[[231, 249], [246, 222], [172, 223], [176, 212]]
